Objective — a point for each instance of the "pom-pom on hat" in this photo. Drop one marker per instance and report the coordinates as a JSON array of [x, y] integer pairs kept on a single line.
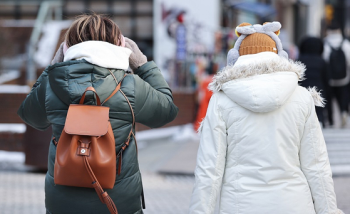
[[254, 39]]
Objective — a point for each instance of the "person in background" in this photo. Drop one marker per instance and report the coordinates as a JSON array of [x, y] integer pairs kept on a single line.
[[204, 94], [337, 55], [261, 146], [311, 49]]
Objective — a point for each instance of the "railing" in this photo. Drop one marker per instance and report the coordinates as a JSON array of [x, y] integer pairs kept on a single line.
[[47, 8]]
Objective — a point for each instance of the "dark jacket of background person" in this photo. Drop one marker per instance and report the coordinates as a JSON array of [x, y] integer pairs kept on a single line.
[[339, 89], [311, 49], [63, 84]]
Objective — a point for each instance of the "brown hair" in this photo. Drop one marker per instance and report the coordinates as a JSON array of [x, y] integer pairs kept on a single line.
[[93, 27]]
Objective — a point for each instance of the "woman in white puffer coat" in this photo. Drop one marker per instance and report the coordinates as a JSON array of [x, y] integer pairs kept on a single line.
[[262, 150]]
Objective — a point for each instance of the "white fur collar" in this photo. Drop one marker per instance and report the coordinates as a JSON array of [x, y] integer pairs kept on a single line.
[[256, 64], [316, 96], [100, 53]]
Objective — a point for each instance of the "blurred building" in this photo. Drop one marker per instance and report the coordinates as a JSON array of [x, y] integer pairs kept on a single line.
[[134, 17], [20, 18]]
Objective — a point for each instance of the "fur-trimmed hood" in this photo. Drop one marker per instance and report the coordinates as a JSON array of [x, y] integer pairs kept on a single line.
[[255, 64], [260, 82]]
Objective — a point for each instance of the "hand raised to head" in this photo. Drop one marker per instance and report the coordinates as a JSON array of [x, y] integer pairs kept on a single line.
[[137, 58]]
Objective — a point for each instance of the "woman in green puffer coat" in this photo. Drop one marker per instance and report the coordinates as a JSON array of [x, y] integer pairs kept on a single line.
[[94, 45]]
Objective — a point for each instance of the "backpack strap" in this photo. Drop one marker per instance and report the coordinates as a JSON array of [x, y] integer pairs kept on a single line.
[[131, 133], [116, 88], [126, 98], [103, 195], [127, 141]]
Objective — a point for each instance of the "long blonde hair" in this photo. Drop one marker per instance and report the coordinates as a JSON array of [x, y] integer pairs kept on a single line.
[[93, 27]]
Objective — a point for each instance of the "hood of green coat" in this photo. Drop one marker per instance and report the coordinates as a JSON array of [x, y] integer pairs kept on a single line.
[[69, 80]]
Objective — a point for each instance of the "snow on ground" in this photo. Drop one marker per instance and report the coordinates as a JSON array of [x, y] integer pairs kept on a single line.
[[13, 157], [181, 133], [14, 89], [9, 75], [19, 128]]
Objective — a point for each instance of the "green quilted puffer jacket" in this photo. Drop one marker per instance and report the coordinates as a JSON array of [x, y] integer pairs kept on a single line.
[[63, 84]]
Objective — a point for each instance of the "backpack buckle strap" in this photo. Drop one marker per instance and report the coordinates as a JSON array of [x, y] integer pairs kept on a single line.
[[120, 154], [126, 144], [54, 141], [84, 148]]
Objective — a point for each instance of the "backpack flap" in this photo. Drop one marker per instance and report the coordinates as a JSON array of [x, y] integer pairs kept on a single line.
[[87, 120]]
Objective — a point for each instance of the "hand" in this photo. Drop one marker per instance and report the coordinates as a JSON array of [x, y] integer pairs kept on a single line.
[[137, 58], [59, 56]]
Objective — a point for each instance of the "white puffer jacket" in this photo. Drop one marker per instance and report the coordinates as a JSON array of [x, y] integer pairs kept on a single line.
[[261, 149]]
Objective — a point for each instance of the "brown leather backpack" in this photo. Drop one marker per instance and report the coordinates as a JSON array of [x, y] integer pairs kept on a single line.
[[85, 154]]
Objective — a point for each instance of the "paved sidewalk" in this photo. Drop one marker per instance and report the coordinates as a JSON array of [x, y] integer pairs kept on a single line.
[[23, 193], [167, 171]]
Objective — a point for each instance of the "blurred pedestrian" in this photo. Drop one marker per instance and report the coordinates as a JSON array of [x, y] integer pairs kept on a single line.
[[337, 55], [261, 148], [311, 49], [204, 94], [95, 53]]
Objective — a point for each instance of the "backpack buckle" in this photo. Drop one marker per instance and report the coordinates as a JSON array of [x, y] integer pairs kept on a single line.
[[83, 149]]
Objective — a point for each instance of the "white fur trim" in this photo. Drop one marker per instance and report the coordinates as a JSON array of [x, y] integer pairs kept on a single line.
[[256, 64], [316, 95], [100, 53]]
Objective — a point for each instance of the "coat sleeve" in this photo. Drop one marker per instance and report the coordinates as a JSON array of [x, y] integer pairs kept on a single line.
[[154, 106], [315, 165], [211, 159], [32, 110]]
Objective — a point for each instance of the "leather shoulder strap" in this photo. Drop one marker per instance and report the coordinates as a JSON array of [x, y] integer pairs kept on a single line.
[[116, 88], [126, 98]]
